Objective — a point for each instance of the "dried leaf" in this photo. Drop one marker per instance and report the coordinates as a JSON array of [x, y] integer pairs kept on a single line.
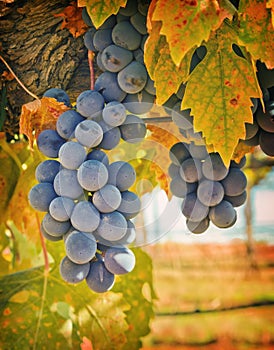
[[256, 30], [39, 115], [72, 20], [7, 75], [99, 11], [187, 23], [240, 150], [218, 92]]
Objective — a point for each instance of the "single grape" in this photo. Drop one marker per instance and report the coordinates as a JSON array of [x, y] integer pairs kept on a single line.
[[139, 55], [180, 188], [240, 164], [80, 247], [99, 155], [213, 167], [72, 155], [122, 175], [130, 205], [198, 151], [99, 279], [235, 182], [54, 227], [173, 170], [254, 141], [107, 85], [223, 215], [129, 9], [198, 227], [126, 36], [67, 122], [150, 86], [66, 184], [92, 175], [99, 62], [90, 103], [133, 77], [41, 195], [59, 94], [111, 136], [49, 143], [210, 192], [85, 217], [178, 153], [88, 39], [102, 38], [119, 260], [251, 130], [60, 208], [133, 130], [112, 227], [193, 209], [181, 118], [114, 58], [139, 23], [236, 201], [89, 133], [114, 113], [47, 170], [191, 170], [266, 119], [139, 103], [48, 236], [86, 18], [107, 199], [73, 273]]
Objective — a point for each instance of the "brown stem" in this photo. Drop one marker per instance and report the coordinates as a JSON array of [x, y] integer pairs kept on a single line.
[[44, 248], [18, 80], [91, 56]]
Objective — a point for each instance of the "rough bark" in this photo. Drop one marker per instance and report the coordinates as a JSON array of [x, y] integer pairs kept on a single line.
[[41, 54]]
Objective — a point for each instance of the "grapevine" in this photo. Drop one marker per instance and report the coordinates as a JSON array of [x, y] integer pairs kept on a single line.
[[88, 199]]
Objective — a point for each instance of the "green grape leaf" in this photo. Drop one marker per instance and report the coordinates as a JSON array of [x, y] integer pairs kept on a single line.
[[218, 92], [256, 30], [38, 310], [99, 11], [187, 23]]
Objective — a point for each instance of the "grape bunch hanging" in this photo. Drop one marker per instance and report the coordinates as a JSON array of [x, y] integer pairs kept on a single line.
[[87, 200]]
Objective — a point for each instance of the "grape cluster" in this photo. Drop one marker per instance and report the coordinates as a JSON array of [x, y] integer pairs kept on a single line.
[[119, 47], [86, 198], [261, 131], [210, 191]]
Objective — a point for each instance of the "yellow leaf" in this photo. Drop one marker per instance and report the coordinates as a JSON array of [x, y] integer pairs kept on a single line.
[[187, 23], [270, 5], [256, 30], [240, 150], [39, 115], [218, 92], [99, 11]]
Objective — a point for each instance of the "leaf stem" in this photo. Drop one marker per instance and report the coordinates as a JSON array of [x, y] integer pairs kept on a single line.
[[91, 68], [157, 120], [18, 80]]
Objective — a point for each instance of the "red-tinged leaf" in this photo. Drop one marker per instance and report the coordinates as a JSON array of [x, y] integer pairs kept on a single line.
[[256, 30], [72, 20], [150, 14], [39, 115], [99, 11], [86, 345], [240, 150], [187, 23], [270, 5], [168, 77], [218, 92]]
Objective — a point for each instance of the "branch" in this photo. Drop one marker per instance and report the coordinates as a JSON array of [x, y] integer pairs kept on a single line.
[[91, 68]]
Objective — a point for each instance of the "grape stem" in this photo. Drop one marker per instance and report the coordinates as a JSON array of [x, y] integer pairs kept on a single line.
[[18, 80], [157, 120], [91, 68]]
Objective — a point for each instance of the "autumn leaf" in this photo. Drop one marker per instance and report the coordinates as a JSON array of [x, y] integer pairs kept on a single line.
[[270, 5], [99, 11], [72, 20], [39, 115], [187, 23], [218, 92], [241, 150], [256, 30], [86, 344]]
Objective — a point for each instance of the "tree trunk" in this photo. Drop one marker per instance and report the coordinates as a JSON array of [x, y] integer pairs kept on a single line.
[[41, 54]]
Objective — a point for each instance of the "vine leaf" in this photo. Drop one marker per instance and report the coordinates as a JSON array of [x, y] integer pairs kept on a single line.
[[99, 11], [218, 92], [256, 30], [72, 20], [39, 115], [188, 23], [41, 311]]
